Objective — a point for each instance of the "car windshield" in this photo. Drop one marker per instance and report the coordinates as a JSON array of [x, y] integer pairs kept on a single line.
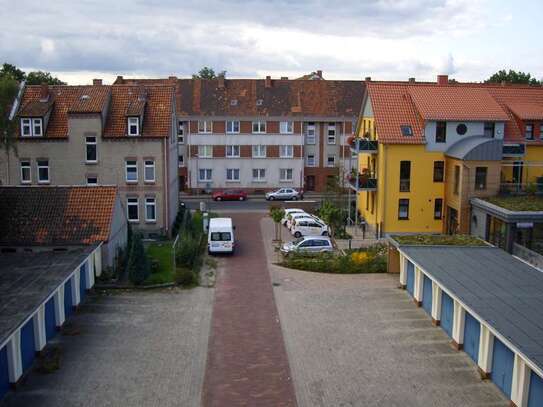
[[298, 241], [221, 236]]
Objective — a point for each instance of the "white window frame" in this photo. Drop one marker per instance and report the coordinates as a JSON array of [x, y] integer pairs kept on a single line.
[[231, 151], [133, 121], [26, 164], [232, 124], [26, 123], [333, 156], [91, 176], [311, 162], [128, 166], [89, 142], [150, 201], [286, 127], [133, 201], [149, 163], [260, 151], [205, 126], [229, 175], [40, 166], [37, 123], [206, 171], [260, 127], [283, 172], [286, 151], [181, 132], [205, 151], [331, 138], [261, 174], [310, 134]]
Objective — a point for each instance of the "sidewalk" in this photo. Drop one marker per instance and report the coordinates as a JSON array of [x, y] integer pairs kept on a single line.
[[308, 196]]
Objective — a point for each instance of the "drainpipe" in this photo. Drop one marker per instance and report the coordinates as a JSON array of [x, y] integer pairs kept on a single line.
[[166, 171]]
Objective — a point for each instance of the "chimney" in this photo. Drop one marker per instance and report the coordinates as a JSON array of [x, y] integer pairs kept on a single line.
[[368, 79], [268, 82], [284, 78], [119, 80], [319, 73], [221, 82], [411, 80], [97, 81], [442, 79], [172, 78], [44, 92]]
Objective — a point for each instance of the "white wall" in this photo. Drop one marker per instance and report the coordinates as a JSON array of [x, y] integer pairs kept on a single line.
[[474, 129]]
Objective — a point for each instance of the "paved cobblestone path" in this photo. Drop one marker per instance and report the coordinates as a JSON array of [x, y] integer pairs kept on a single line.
[[247, 363]]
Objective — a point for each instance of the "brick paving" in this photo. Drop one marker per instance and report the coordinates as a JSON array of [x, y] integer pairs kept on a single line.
[[247, 364]]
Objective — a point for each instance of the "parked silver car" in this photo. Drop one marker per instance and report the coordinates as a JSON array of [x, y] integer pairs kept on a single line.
[[312, 244], [285, 194]]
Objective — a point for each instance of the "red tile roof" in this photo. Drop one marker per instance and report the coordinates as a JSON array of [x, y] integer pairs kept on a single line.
[[51, 216]]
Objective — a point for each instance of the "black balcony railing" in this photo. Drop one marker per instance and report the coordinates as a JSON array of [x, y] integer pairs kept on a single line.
[[365, 182], [513, 150], [364, 145]]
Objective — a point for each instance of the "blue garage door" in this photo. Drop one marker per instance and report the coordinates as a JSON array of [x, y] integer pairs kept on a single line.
[[502, 367], [82, 280], [472, 331], [28, 349], [4, 372], [427, 295], [535, 397], [410, 277], [68, 304], [447, 312], [50, 323]]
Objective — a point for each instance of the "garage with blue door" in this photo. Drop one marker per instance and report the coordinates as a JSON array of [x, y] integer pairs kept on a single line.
[[28, 348], [68, 301], [427, 295], [83, 280], [4, 372], [410, 278], [472, 333], [447, 313], [502, 367], [50, 322], [535, 395]]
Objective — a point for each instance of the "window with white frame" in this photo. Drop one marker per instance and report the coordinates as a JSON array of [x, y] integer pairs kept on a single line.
[[37, 127], [259, 151], [259, 126], [205, 151], [26, 174], [91, 155], [26, 128], [181, 132], [232, 126], [311, 160], [150, 209], [205, 126], [232, 151], [133, 126], [286, 151], [331, 160], [181, 160], [205, 174], [131, 167], [259, 174], [285, 174], [43, 171], [92, 180], [310, 133], [331, 133], [286, 127], [232, 174], [149, 170], [132, 209]]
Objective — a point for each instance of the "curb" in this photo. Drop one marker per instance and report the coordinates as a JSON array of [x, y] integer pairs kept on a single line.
[[131, 287]]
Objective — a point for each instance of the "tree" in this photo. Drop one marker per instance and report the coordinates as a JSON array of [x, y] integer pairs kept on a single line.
[[513, 77], [332, 215], [13, 71], [39, 77], [138, 263], [208, 73], [277, 214], [8, 93]]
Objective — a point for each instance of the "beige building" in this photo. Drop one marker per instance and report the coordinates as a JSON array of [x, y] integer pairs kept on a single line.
[[121, 135]]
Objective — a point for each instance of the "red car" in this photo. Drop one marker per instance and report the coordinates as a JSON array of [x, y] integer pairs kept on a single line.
[[230, 195]]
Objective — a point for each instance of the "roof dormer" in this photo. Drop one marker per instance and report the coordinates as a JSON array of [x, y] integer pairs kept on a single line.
[[135, 112], [34, 115]]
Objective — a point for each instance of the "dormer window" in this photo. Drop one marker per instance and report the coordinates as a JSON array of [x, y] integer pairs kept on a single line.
[[32, 127], [37, 125], [407, 131], [133, 126]]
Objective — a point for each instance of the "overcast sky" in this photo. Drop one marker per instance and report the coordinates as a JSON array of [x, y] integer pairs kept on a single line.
[[79, 40]]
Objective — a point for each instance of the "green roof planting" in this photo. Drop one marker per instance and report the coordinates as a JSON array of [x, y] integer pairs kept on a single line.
[[518, 203], [438, 240]]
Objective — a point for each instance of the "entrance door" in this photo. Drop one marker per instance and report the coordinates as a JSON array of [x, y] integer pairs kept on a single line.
[[452, 221], [517, 175], [310, 183]]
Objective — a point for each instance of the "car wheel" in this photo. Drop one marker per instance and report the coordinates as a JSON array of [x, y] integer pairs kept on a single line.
[[294, 198], [297, 235], [218, 198], [271, 198], [241, 198], [325, 233]]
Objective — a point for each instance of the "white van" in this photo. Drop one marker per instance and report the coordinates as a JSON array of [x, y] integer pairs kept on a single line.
[[220, 237]]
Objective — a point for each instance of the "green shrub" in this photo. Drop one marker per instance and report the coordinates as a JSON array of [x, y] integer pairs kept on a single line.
[[138, 263], [155, 266], [185, 277], [188, 251]]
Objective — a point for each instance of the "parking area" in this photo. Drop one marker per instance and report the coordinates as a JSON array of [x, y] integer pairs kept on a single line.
[[358, 340], [128, 349]]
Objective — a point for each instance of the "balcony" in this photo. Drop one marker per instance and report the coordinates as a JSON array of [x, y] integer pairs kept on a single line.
[[513, 150], [362, 145], [364, 182]]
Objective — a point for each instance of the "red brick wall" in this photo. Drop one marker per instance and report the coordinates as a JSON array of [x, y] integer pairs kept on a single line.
[[272, 127], [246, 127], [219, 151], [246, 151], [219, 126], [272, 151]]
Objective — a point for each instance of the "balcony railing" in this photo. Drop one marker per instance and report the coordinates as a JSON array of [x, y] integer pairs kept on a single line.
[[405, 185], [511, 187], [364, 146], [364, 182], [513, 150]]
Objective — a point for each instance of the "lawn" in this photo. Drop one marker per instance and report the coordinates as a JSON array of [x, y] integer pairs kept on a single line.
[[439, 240], [517, 203], [162, 252]]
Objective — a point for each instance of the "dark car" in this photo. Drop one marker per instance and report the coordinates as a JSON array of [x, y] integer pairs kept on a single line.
[[230, 195]]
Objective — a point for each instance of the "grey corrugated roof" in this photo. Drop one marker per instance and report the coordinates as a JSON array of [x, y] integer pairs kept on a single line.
[[476, 148], [27, 279], [502, 290]]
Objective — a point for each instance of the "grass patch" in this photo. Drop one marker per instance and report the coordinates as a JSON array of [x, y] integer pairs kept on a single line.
[[439, 240], [160, 252], [517, 203]]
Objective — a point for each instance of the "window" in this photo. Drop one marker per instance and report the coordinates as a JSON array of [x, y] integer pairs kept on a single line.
[[259, 127], [232, 174], [441, 132], [132, 211], [286, 127], [529, 131], [407, 131], [90, 145], [205, 174], [232, 151], [181, 160], [92, 180], [180, 132], [259, 151], [310, 133], [133, 126], [150, 209], [26, 128], [43, 171], [405, 176], [26, 177], [286, 151], [259, 174], [439, 171], [403, 209], [259, 102], [311, 160], [205, 151], [541, 131], [489, 129], [461, 129], [331, 133], [438, 208], [456, 179], [480, 178], [232, 126], [233, 102], [37, 127], [331, 161], [285, 174], [205, 126], [149, 171], [131, 171]]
